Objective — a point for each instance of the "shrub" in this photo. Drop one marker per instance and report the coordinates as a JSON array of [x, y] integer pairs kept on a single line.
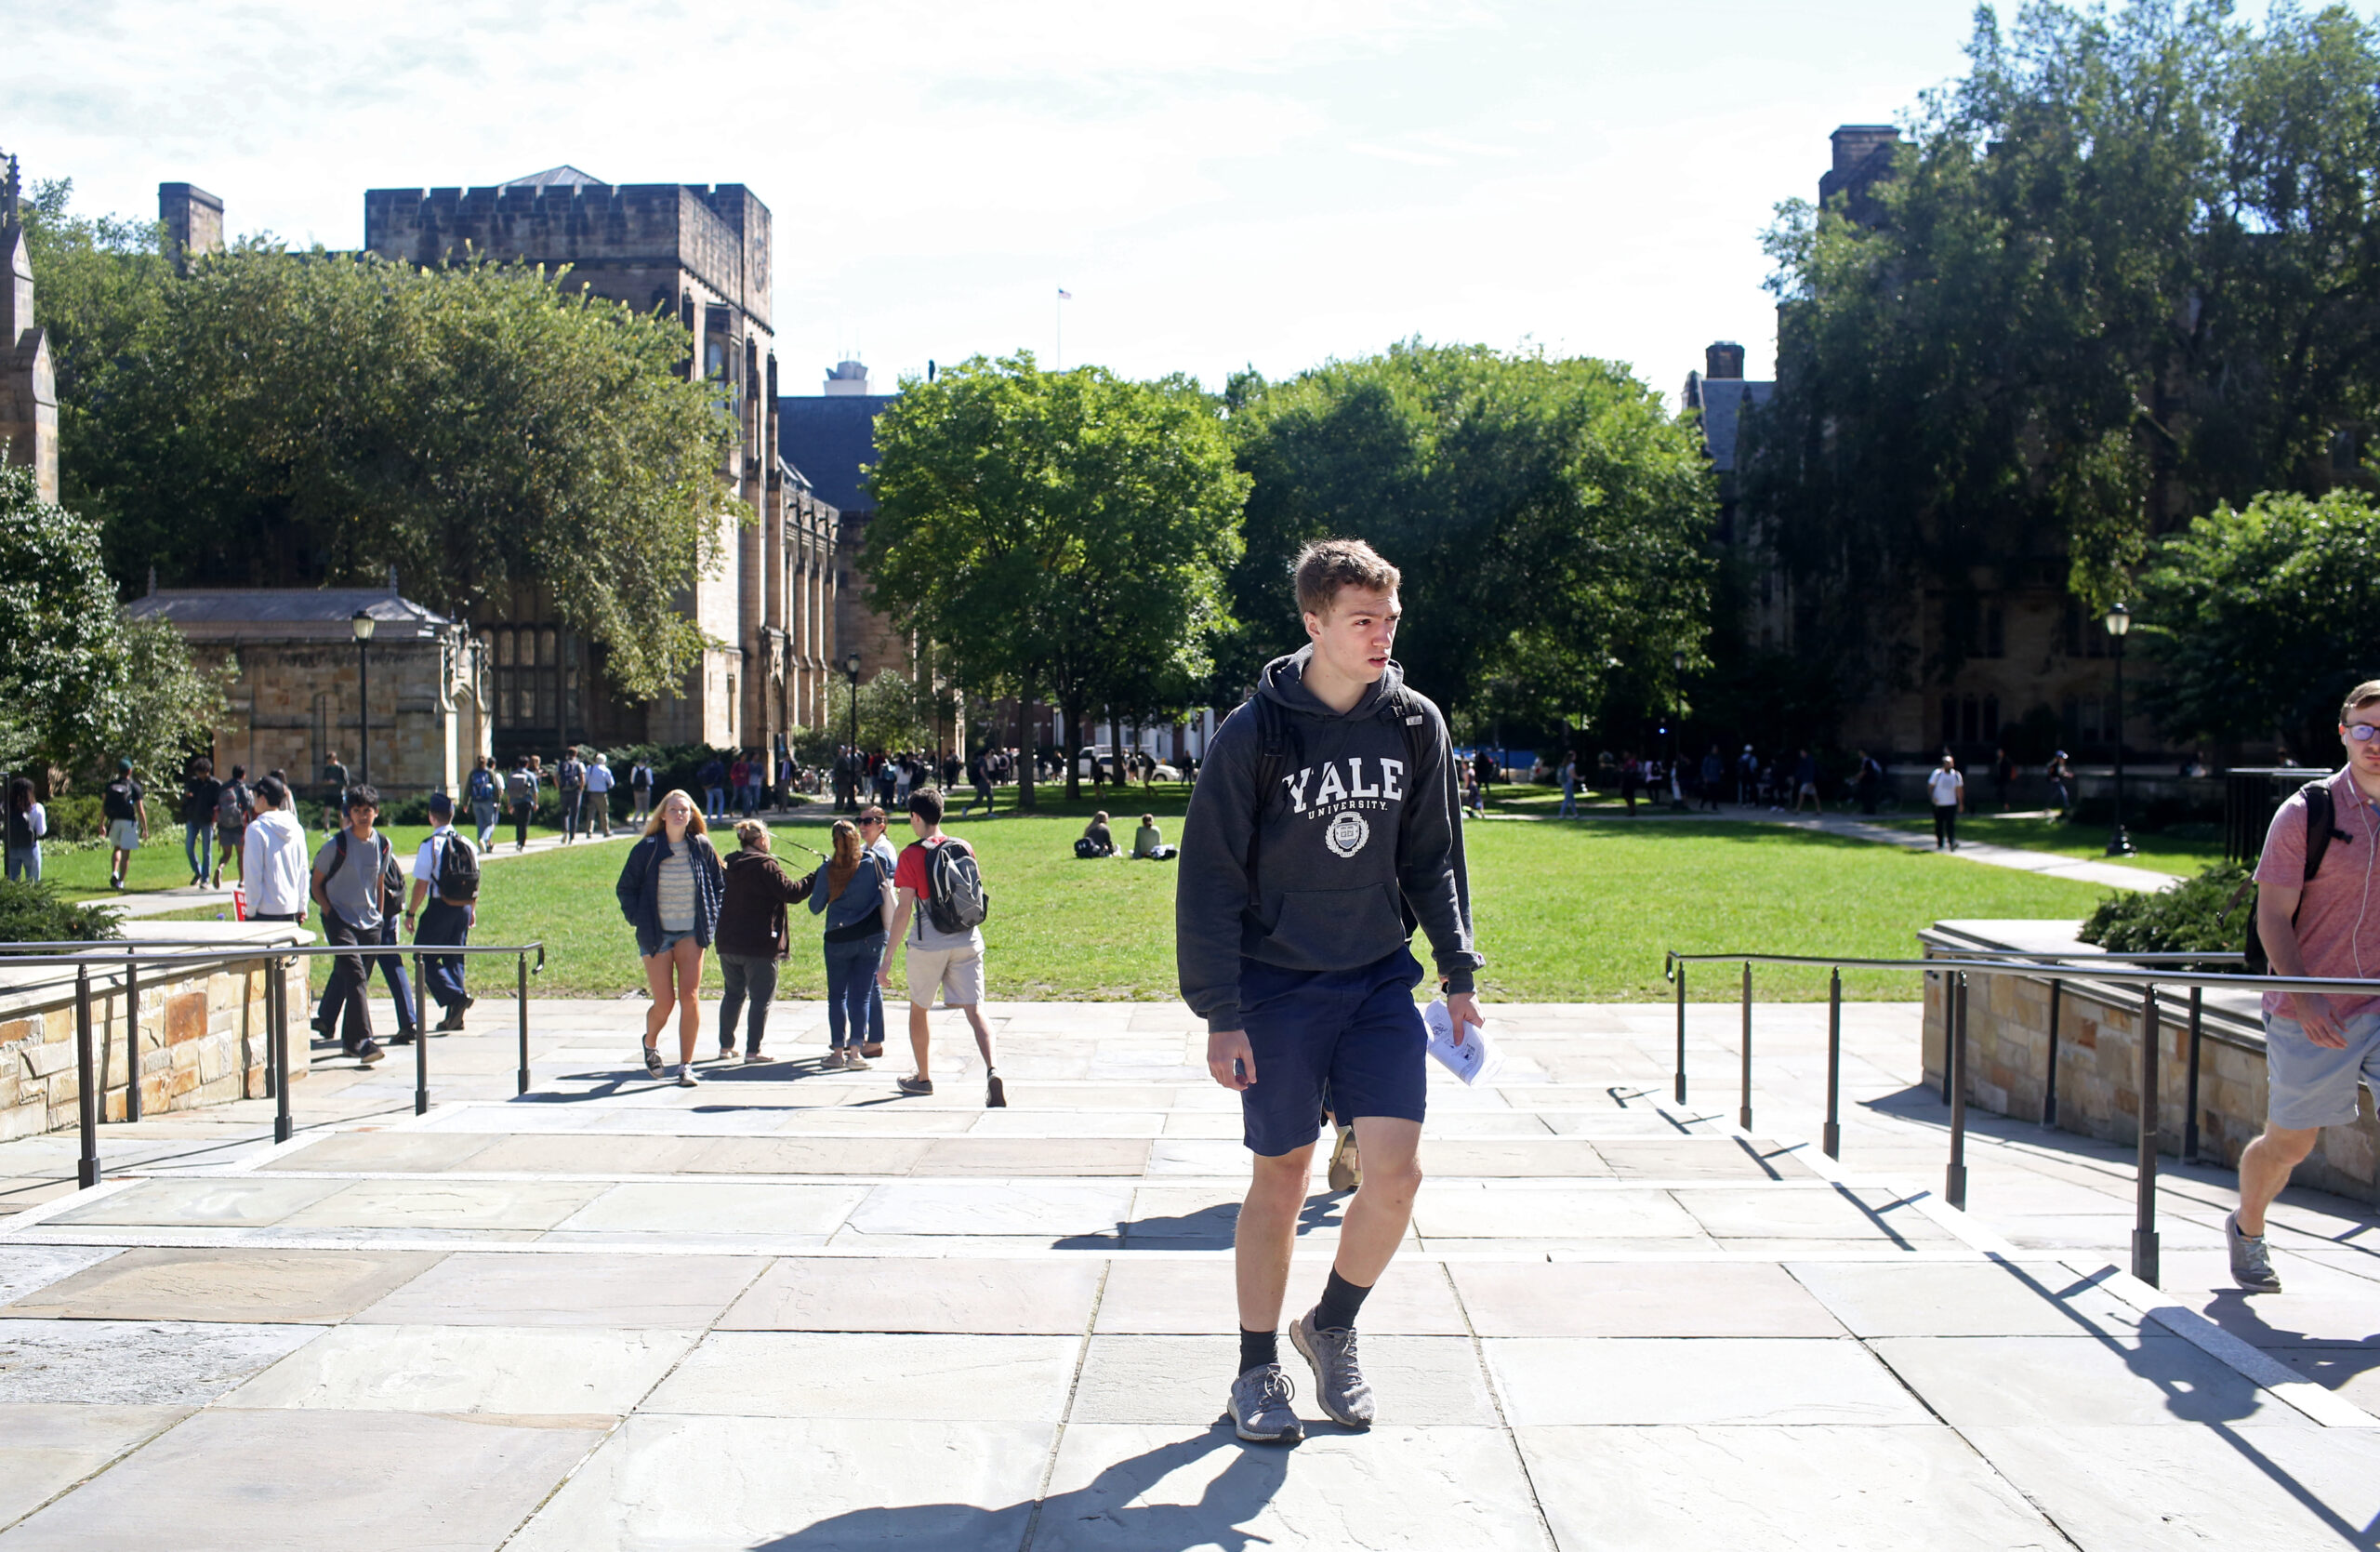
[[37, 913], [2189, 917]]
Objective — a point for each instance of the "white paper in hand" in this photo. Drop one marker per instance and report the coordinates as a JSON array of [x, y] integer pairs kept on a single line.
[[1476, 1059]]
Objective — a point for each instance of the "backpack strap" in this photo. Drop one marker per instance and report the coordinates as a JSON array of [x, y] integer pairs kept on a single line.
[[1277, 734], [338, 842], [2322, 825]]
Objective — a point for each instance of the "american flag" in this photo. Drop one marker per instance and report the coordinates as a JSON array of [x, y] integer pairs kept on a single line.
[[1064, 294]]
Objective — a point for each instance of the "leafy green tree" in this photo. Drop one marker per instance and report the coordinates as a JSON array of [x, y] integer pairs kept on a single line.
[[281, 420], [83, 684], [1547, 515], [895, 714], [1055, 535], [2263, 618], [2120, 272]]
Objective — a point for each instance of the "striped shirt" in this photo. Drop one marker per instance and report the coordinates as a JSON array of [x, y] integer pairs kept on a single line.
[[675, 887]]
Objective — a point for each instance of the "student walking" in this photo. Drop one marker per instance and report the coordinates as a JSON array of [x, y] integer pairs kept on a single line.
[[853, 890], [273, 856], [201, 792], [2313, 917], [233, 804], [570, 789], [479, 790], [1870, 781], [520, 793], [2060, 777], [445, 900], [640, 792], [871, 833], [1569, 779], [1806, 783], [939, 885], [1947, 790], [1327, 812], [713, 776], [599, 796], [349, 885], [28, 822], [335, 778], [752, 940], [123, 805], [670, 889]]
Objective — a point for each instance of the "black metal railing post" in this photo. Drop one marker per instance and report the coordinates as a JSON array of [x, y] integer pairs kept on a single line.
[[1679, 967], [2144, 1231], [420, 1035], [1831, 1139], [2189, 1083], [1743, 1106], [524, 1005], [131, 1037], [87, 1169], [1955, 1178], [279, 1006], [2049, 1078]]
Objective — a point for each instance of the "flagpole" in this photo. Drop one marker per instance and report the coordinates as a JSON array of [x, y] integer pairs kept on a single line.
[[1057, 313]]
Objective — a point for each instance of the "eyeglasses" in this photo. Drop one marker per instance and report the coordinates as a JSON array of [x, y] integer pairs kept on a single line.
[[2363, 732]]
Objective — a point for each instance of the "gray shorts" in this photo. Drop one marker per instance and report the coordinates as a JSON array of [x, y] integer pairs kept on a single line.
[[124, 834], [957, 973], [2309, 1085]]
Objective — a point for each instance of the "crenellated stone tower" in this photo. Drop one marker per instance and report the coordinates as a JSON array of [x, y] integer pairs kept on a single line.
[[28, 386]]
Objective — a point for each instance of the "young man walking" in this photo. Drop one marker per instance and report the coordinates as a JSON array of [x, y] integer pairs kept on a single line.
[[599, 796], [521, 794], [445, 889], [1946, 789], [2313, 884], [871, 835], [1323, 827], [937, 957], [570, 786], [348, 873], [124, 803]]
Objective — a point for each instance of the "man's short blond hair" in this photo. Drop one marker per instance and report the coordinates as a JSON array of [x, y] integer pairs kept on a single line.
[[1324, 567], [2358, 698]]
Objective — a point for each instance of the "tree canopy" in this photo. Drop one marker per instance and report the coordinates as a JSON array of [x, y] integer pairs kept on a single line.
[[2122, 271], [279, 418], [1058, 535], [1548, 516]]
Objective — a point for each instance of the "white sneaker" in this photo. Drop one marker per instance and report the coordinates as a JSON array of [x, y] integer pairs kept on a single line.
[[686, 1078], [853, 1060], [833, 1061]]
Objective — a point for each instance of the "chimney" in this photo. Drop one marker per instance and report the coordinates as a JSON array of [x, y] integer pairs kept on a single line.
[[1724, 359], [193, 221]]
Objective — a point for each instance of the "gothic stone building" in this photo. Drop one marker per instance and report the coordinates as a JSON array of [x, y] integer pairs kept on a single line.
[[28, 389], [704, 252]]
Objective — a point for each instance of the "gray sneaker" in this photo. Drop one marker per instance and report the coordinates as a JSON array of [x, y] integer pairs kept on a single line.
[[1259, 1407], [1338, 1385], [2251, 1262]]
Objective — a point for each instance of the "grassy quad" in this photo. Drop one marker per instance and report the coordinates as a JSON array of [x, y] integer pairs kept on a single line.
[[1572, 912]]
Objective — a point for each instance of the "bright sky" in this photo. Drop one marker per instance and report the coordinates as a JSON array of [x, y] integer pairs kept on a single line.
[[1237, 182]]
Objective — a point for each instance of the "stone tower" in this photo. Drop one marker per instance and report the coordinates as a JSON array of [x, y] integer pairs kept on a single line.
[[28, 387], [193, 221]]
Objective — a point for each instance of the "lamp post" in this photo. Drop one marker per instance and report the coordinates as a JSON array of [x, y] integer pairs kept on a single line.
[[361, 623], [1677, 735], [2119, 623], [851, 671]]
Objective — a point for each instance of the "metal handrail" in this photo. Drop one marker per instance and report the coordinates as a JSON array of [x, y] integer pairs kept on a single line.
[[2025, 964], [123, 953]]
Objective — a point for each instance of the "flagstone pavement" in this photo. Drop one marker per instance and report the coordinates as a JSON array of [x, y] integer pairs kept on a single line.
[[786, 1309]]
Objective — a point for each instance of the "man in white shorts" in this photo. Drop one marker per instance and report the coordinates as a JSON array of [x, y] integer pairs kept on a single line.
[[950, 961], [2315, 921]]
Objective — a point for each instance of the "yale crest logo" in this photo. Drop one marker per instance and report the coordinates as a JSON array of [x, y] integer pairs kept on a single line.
[[1346, 833]]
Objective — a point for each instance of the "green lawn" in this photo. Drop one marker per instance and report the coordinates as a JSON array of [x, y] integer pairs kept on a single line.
[[82, 873], [1571, 913], [2152, 850]]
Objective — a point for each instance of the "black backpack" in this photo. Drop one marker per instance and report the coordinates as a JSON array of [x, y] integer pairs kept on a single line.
[[2321, 828], [1280, 743], [956, 898], [116, 800], [459, 873]]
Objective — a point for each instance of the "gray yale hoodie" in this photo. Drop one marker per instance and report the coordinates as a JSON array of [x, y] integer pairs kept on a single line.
[[1354, 847]]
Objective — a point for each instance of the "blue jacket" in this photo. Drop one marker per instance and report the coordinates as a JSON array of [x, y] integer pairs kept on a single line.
[[640, 890], [862, 899]]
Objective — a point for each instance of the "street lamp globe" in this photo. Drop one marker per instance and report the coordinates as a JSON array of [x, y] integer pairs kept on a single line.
[[1677, 662], [362, 624], [2119, 620], [850, 665]]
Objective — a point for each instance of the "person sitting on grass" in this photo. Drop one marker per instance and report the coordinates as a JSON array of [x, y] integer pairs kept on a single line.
[[1148, 843], [1097, 839]]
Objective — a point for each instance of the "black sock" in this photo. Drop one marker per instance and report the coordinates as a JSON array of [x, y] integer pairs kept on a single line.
[[1341, 1300], [1258, 1349]]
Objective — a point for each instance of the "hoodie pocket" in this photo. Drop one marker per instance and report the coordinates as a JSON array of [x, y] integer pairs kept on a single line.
[[1336, 929]]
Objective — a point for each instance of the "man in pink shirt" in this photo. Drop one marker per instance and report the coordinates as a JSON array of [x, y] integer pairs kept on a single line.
[[2317, 1046]]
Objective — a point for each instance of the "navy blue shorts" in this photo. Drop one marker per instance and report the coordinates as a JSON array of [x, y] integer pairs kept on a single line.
[[1354, 1035]]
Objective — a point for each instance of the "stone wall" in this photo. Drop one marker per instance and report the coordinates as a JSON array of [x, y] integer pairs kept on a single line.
[[201, 1034], [2098, 1071]]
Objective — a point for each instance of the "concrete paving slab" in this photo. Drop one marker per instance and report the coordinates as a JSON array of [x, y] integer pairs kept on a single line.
[[2077, 1382], [1697, 1382], [807, 1156], [164, 1283], [1698, 1159], [1433, 1380], [1467, 1210], [1984, 1299], [924, 1377], [45, 1449], [512, 1371], [1164, 1488], [382, 1480], [1845, 1489], [1637, 1299], [136, 1362], [869, 1121], [2353, 1372], [2116, 1489], [716, 1208], [576, 1153], [383, 1152], [686, 1292], [1171, 1296], [1463, 1156], [418, 1202], [820, 1486], [1040, 1122], [1838, 1214], [247, 1199], [987, 1209], [839, 1294], [25, 1269], [1011, 1157]]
